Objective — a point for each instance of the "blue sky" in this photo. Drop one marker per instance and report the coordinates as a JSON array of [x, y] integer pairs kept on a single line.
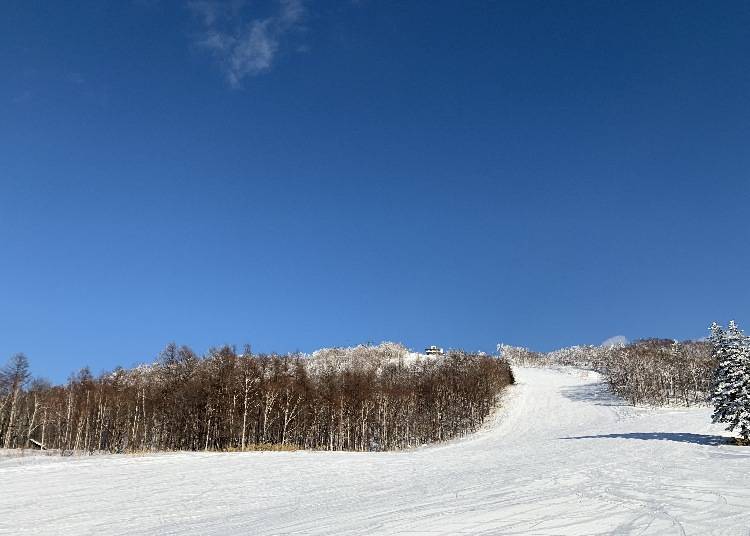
[[301, 174]]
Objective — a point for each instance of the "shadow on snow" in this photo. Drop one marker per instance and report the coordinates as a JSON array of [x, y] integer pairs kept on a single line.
[[679, 437], [595, 393], [598, 393]]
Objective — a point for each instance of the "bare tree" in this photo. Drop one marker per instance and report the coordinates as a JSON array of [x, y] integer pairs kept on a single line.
[[14, 377], [361, 398]]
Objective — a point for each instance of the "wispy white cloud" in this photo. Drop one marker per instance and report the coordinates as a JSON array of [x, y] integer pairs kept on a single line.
[[243, 45]]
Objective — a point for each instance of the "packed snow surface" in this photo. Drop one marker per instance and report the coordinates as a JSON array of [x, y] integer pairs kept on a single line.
[[561, 457]]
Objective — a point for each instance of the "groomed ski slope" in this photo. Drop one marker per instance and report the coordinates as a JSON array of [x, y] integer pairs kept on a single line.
[[561, 457]]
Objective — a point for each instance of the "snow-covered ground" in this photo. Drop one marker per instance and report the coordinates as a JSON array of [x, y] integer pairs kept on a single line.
[[562, 457]]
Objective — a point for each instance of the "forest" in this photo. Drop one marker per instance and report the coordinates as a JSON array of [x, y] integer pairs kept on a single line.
[[647, 371], [363, 398]]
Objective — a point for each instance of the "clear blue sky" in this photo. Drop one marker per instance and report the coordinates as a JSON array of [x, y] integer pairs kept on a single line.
[[305, 174]]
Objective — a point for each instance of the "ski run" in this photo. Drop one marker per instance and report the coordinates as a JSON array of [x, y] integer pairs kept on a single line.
[[561, 456]]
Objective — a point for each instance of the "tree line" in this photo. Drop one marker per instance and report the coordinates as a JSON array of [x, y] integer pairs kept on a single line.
[[365, 398], [648, 371]]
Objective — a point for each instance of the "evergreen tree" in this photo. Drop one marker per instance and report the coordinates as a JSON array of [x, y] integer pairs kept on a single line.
[[719, 389], [731, 387]]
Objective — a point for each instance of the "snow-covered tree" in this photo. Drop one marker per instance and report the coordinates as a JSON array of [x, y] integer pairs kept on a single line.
[[731, 387], [650, 371]]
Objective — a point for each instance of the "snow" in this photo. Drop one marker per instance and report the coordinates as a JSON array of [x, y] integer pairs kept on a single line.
[[617, 340], [560, 457]]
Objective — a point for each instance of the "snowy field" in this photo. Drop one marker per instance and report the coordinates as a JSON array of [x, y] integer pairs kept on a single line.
[[562, 457]]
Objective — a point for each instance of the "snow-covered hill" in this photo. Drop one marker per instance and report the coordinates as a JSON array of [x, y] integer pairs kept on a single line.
[[561, 457]]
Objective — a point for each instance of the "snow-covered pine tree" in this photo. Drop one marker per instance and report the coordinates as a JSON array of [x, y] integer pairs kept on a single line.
[[731, 388], [720, 387]]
